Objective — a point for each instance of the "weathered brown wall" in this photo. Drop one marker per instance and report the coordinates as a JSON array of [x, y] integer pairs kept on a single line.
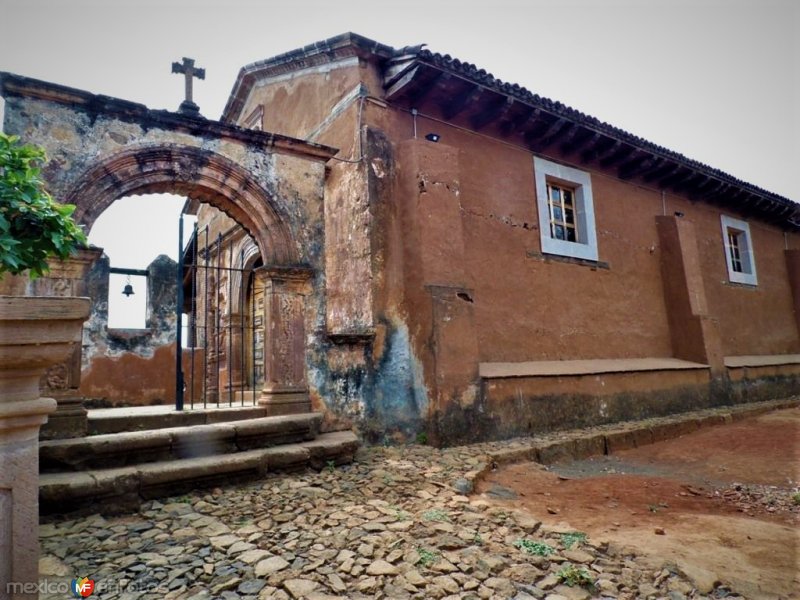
[[134, 380], [529, 307], [752, 320], [419, 230]]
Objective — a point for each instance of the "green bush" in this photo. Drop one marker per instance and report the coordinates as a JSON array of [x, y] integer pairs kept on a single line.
[[33, 227]]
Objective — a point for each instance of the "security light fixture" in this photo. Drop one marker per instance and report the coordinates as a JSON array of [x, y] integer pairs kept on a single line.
[[433, 137]]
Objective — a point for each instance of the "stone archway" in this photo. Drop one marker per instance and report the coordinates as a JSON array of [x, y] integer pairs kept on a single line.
[[102, 149], [210, 178], [193, 172]]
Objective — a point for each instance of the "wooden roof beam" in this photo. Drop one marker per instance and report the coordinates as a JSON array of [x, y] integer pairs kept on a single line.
[[622, 153], [461, 102], [400, 87], [546, 138], [695, 181], [585, 138], [639, 167], [498, 110], [599, 148], [705, 190], [523, 119], [669, 168], [679, 175], [421, 91]]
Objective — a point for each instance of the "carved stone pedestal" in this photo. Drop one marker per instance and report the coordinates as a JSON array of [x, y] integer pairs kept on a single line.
[[285, 389], [35, 333], [62, 380]]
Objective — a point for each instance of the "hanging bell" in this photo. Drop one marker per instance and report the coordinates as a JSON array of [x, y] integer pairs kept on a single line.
[[128, 289]]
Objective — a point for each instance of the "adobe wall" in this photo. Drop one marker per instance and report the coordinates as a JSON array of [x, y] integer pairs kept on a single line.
[[477, 233], [615, 309], [435, 249]]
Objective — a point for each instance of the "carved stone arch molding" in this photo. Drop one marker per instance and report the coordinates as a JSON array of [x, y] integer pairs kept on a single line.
[[211, 178], [193, 172], [245, 255]]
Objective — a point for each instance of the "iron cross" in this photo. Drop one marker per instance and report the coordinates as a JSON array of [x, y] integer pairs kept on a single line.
[[189, 71]]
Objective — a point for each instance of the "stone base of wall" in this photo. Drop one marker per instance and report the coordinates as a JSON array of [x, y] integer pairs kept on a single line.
[[523, 406]]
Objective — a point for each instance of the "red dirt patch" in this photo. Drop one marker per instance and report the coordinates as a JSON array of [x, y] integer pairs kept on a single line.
[[722, 496]]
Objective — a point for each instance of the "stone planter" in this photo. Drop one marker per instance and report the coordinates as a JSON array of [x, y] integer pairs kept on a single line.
[[35, 333]]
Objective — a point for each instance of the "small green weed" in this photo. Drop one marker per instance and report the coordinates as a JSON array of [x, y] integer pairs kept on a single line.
[[796, 497], [426, 557], [184, 499], [575, 576], [436, 514], [572, 538], [401, 515], [537, 548], [422, 438], [478, 539], [330, 466]]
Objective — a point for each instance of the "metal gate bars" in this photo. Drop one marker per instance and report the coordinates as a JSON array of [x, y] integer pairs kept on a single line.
[[223, 304]]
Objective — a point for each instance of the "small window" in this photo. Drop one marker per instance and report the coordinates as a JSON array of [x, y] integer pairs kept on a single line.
[[739, 251], [566, 210]]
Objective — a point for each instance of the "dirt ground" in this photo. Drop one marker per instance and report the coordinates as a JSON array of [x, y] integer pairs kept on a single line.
[[719, 503]]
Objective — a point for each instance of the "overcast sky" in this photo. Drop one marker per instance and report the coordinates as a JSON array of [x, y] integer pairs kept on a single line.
[[717, 80]]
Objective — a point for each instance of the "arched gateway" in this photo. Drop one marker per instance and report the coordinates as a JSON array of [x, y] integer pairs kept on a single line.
[[102, 149]]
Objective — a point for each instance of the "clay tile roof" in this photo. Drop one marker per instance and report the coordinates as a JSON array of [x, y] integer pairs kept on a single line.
[[770, 206]]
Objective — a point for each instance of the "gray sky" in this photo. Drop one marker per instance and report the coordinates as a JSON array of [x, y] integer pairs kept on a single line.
[[717, 80]]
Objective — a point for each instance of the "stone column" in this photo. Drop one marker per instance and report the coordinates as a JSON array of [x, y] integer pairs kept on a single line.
[[61, 382], [285, 388], [695, 334], [35, 333]]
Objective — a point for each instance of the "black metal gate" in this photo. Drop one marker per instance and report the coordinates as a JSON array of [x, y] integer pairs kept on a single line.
[[225, 334]]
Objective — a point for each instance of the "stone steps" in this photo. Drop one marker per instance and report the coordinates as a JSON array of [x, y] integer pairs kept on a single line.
[[121, 489], [116, 420], [128, 448]]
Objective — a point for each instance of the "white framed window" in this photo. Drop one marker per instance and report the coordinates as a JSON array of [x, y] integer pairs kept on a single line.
[[566, 210], [738, 251]]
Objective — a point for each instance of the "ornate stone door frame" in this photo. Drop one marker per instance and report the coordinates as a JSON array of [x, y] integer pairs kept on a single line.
[[285, 383]]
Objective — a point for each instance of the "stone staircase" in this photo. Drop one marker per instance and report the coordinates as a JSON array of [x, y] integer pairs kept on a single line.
[[137, 454]]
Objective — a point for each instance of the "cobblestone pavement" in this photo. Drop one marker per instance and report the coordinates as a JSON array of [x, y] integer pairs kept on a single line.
[[397, 523]]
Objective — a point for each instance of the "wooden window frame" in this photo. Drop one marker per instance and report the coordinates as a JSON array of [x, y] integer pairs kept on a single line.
[[549, 176], [739, 255]]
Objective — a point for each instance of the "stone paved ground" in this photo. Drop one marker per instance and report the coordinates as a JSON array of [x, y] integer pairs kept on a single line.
[[395, 524]]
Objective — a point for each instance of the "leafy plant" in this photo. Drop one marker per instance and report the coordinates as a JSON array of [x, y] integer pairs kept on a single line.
[[796, 497], [426, 557], [330, 466], [422, 438], [572, 538], [33, 227], [575, 576], [537, 548], [435, 514]]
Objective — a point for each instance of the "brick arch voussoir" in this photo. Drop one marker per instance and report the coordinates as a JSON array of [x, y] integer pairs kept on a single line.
[[193, 172]]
